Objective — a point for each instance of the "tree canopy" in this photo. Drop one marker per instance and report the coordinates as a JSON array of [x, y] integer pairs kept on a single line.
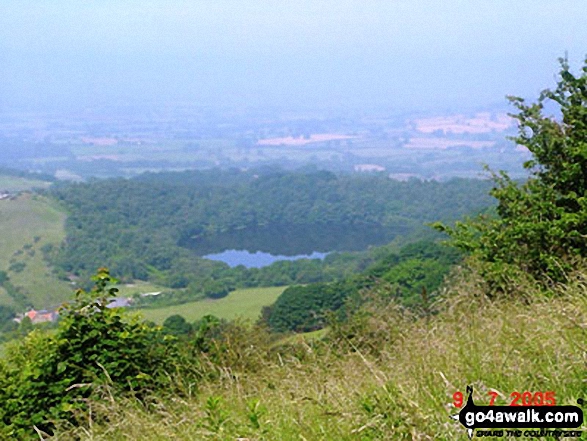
[[157, 227], [541, 224], [418, 267]]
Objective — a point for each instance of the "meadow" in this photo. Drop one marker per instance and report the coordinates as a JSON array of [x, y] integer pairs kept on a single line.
[[138, 287], [28, 223], [245, 304]]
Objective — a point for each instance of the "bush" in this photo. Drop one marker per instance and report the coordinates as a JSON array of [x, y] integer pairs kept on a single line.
[[216, 289], [17, 267], [541, 225], [176, 325], [49, 377]]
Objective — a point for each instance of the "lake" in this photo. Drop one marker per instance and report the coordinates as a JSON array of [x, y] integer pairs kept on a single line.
[[258, 259], [263, 245]]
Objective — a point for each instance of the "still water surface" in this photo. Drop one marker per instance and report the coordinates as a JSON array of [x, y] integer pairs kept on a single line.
[[260, 246], [257, 260]]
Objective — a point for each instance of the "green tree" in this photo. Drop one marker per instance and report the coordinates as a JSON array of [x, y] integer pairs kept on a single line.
[[176, 325], [541, 225]]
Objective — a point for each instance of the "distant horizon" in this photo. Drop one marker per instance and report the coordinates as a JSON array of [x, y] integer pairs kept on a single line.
[[138, 108], [345, 54]]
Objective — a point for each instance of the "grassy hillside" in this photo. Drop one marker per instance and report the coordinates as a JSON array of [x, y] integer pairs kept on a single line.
[[243, 303], [386, 375], [5, 299], [27, 224]]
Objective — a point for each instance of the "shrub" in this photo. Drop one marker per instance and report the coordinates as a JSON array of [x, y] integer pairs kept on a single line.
[[176, 325], [49, 377], [541, 225], [17, 267]]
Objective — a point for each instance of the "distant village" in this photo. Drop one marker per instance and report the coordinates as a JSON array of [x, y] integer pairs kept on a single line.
[[44, 315], [49, 316]]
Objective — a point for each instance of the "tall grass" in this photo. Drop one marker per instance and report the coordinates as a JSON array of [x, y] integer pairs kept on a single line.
[[386, 374]]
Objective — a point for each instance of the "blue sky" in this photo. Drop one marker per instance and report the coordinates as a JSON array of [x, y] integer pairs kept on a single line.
[[403, 54]]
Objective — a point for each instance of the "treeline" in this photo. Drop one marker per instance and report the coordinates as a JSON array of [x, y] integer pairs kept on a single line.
[[281, 273], [150, 228]]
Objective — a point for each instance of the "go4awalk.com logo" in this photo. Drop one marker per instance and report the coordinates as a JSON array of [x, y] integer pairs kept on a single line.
[[529, 414]]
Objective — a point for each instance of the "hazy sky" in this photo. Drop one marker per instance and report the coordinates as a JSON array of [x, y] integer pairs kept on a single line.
[[407, 54]]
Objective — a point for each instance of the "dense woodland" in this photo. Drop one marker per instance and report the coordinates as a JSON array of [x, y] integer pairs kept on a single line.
[[157, 227]]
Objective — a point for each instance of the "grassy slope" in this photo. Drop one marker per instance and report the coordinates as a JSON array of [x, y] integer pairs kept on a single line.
[[5, 299], [21, 220], [394, 380], [243, 303]]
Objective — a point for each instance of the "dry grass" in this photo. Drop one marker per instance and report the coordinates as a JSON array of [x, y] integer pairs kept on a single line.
[[387, 375]]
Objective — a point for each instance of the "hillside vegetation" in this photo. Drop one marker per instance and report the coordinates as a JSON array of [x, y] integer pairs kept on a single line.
[[510, 317], [156, 229], [410, 277], [34, 224], [384, 375]]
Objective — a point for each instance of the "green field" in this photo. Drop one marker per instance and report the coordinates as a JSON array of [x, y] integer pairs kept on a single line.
[[27, 224], [243, 303], [139, 287]]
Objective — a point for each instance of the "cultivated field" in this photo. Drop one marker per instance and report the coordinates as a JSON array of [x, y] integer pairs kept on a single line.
[[443, 144], [483, 122], [139, 287]]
